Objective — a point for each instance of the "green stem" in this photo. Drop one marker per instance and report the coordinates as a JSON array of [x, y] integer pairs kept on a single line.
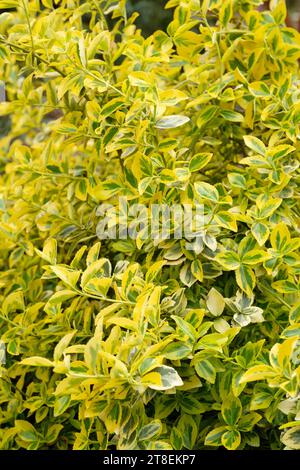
[[274, 295], [53, 175], [101, 14], [25, 7], [104, 81], [15, 387], [65, 219], [10, 321], [217, 46], [105, 299], [26, 51]]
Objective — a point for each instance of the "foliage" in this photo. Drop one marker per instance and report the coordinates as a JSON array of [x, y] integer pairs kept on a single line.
[[147, 343]]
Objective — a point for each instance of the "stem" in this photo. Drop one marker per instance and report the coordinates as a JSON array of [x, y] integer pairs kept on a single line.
[[26, 51], [14, 386], [48, 106], [104, 81], [275, 295], [61, 217], [105, 299], [217, 46], [25, 5], [53, 175], [101, 14], [10, 321]]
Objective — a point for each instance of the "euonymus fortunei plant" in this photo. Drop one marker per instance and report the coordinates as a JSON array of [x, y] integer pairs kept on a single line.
[[149, 342]]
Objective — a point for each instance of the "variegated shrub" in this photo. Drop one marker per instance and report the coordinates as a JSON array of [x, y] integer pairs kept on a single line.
[[149, 343]]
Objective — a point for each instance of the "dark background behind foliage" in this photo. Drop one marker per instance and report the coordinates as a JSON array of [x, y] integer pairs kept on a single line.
[[153, 16]]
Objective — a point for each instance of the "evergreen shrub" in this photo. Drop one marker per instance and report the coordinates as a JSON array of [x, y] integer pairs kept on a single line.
[[149, 342]]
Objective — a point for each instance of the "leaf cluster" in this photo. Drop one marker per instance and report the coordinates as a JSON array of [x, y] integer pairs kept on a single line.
[[149, 343]]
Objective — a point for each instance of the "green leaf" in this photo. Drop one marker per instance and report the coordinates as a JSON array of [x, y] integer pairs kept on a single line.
[[291, 438], [93, 110], [255, 144], [61, 404], [13, 346], [254, 160], [73, 82], [171, 122], [245, 245], [262, 397], [189, 430], [197, 270], [294, 315], [164, 406], [231, 439], [206, 370], [175, 351], [13, 302], [154, 269], [62, 345], [111, 107], [232, 116], [226, 220], [91, 352], [237, 180], [186, 275], [81, 52], [213, 341], [199, 161], [253, 257], [259, 89], [81, 189], [139, 79], [61, 296], [260, 372], [159, 445], [185, 328], [150, 431], [98, 286], [176, 439], [266, 207], [191, 405], [67, 275], [231, 410], [280, 151], [261, 232], [280, 237], [214, 437], [37, 361], [26, 431], [97, 270], [206, 115], [228, 260], [53, 432], [215, 302], [162, 378], [49, 252], [245, 279], [226, 12], [207, 191], [286, 287]]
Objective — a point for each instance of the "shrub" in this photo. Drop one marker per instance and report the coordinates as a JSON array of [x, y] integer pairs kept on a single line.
[[149, 342]]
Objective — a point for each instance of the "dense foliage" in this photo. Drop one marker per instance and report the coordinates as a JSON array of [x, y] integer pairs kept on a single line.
[[149, 343]]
